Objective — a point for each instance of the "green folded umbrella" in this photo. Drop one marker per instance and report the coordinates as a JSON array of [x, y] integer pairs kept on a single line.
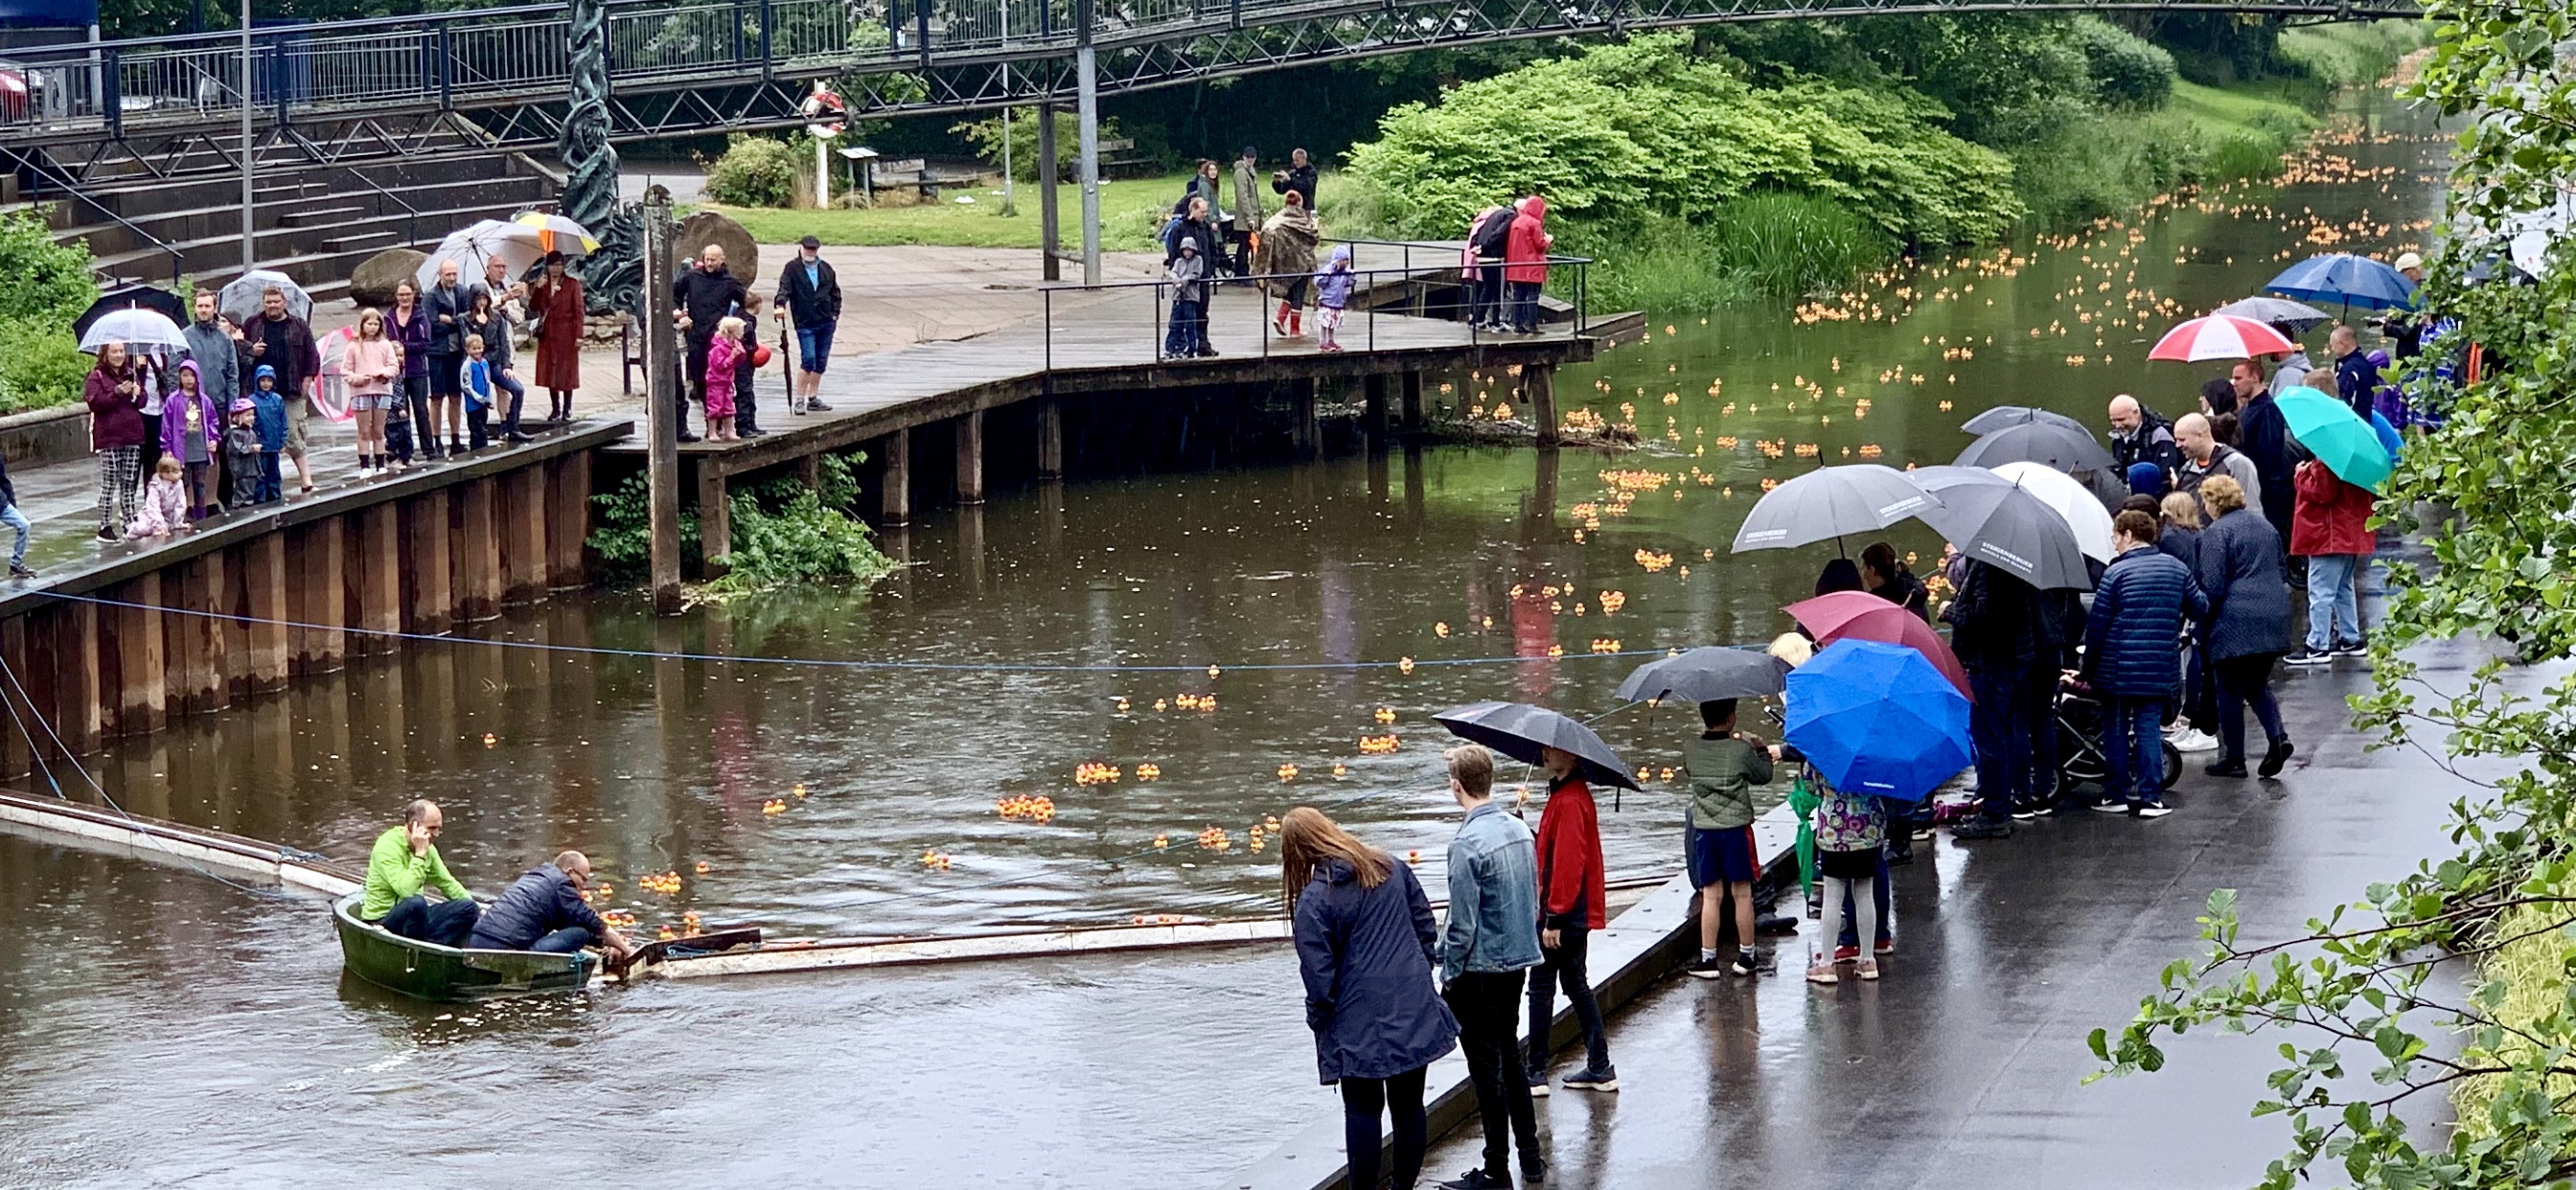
[[1804, 799], [2338, 437]]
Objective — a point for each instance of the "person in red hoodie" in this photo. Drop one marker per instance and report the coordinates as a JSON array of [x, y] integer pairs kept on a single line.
[[1525, 263], [2330, 527], [1572, 886]]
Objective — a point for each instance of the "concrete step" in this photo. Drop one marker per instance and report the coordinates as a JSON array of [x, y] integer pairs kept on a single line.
[[376, 240], [319, 216]]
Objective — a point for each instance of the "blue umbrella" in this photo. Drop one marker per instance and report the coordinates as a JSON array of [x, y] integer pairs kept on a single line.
[[2345, 279], [1878, 719]]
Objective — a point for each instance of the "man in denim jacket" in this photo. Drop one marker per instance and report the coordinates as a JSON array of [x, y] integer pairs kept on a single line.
[[1486, 951]]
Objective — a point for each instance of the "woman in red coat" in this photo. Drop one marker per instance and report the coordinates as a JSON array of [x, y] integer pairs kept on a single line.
[[2330, 527], [556, 302], [1525, 263], [1572, 896]]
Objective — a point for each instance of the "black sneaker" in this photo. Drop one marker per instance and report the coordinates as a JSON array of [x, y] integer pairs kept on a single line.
[[516, 436], [1538, 1084], [1477, 1179], [817, 407], [2108, 805], [684, 436], [2352, 648], [755, 433], [2273, 758], [1982, 829], [2226, 768], [18, 570], [1588, 1079], [2150, 810], [1534, 1172], [2304, 657], [107, 533], [1746, 964], [1708, 968]]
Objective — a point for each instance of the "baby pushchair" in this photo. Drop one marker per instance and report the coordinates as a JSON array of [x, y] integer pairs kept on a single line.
[[2081, 759]]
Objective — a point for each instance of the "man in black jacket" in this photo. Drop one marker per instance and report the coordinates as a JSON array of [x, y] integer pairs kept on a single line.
[[543, 911], [700, 298], [810, 293], [2001, 633], [2142, 435], [446, 303], [1299, 176]]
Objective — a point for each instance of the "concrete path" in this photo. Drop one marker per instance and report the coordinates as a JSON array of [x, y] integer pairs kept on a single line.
[[1961, 1068]]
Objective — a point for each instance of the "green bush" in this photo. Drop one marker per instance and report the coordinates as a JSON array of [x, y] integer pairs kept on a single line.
[[41, 365], [755, 171], [2128, 71], [783, 533], [41, 280]]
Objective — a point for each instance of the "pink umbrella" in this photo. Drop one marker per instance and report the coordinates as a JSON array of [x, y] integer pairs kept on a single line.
[[2219, 336], [1860, 615]]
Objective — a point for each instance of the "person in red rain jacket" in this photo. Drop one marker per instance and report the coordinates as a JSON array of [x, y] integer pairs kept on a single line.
[[1525, 263], [2330, 527], [1572, 887]]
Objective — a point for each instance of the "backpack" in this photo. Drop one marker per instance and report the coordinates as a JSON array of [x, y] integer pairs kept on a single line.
[[1171, 245]]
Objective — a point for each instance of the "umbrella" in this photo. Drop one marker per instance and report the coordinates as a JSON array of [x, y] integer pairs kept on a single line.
[[2220, 336], [2344, 279], [470, 246], [554, 233], [139, 329], [331, 388], [1992, 520], [1518, 730], [130, 297], [1829, 502], [1859, 615], [2340, 439], [2271, 311], [241, 298], [2082, 509], [2067, 448], [1877, 719], [2003, 416], [1705, 674]]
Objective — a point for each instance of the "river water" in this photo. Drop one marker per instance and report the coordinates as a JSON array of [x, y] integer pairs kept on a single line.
[[157, 1027]]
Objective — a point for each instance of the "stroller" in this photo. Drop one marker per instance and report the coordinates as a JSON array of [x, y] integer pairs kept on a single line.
[[2081, 759]]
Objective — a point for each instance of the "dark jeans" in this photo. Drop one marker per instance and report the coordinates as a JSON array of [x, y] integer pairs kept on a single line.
[[518, 396], [415, 392], [2199, 702], [1564, 965], [478, 425], [447, 923], [2001, 738], [1488, 310], [565, 940], [1524, 303], [2133, 739], [1182, 339], [1241, 242], [746, 409], [1362, 1100], [693, 375], [1484, 1003], [272, 482], [2243, 680]]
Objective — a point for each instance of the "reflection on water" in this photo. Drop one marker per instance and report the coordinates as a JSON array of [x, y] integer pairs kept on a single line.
[[1019, 630]]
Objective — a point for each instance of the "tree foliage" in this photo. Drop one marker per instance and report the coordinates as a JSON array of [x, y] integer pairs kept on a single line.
[[2355, 993], [755, 171]]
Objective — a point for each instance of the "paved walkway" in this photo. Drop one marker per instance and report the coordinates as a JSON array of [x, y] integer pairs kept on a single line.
[[1962, 1067]]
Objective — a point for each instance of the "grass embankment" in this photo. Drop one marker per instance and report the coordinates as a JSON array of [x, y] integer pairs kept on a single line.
[[2534, 972], [1130, 213]]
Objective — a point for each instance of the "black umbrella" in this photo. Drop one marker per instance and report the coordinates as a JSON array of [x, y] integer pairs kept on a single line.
[[1993, 520], [2006, 416], [128, 297], [1705, 674], [1830, 502], [2064, 447], [1519, 730]]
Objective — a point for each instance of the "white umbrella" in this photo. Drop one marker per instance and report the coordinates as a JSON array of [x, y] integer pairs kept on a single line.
[[2083, 511], [1829, 502], [241, 298], [470, 246], [138, 329]]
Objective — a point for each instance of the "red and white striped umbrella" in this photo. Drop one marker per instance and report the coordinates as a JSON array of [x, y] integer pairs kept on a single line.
[[2219, 336]]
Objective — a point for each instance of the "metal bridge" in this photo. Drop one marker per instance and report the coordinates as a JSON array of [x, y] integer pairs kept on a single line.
[[500, 78]]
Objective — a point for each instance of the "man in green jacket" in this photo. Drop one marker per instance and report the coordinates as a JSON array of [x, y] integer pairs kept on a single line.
[[404, 862], [1724, 767]]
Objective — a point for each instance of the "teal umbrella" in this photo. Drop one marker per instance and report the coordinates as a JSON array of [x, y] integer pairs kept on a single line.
[[2340, 439]]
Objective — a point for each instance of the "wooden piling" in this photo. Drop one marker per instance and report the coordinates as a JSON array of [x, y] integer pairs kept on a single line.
[[896, 448], [142, 699], [1538, 388], [1373, 411], [1050, 437], [809, 471], [523, 535], [378, 579], [1304, 432], [715, 518], [78, 717], [477, 553], [198, 682], [1412, 402], [970, 457], [568, 526], [17, 748], [316, 596], [264, 606], [428, 594]]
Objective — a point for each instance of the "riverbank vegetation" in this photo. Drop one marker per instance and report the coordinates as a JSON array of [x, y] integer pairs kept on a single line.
[[43, 287], [784, 532], [2452, 980]]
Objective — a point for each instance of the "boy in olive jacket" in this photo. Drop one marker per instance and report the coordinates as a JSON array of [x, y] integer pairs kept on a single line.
[[1724, 767]]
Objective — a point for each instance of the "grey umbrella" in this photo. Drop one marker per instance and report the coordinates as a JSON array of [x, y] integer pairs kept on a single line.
[[1519, 730], [1994, 521], [2004, 416], [2300, 317], [1706, 673], [2067, 448], [1829, 502]]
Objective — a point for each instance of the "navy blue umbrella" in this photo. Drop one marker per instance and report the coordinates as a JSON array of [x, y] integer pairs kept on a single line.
[[1519, 730], [1877, 719], [2345, 279]]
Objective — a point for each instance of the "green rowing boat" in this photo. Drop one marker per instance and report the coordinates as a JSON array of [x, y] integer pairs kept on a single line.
[[433, 972]]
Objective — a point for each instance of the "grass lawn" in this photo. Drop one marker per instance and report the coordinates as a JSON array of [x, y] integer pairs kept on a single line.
[[1130, 213]]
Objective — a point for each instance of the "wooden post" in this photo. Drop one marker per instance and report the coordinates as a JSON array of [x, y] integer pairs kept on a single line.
[[970, 546], [232, 661], [17, 747], [316, 597], [663, 394], [78, 718], [523, 534], [1050, 437], [970, 457], [42, 679], [897, 449], [809, 471], [264, 602], [379, 580], [1412, 400], [1304, 432], [1538, 388], [196, 641], [568, 527], [428, 602], [1373, 415], [478, 552], [715, 517]]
